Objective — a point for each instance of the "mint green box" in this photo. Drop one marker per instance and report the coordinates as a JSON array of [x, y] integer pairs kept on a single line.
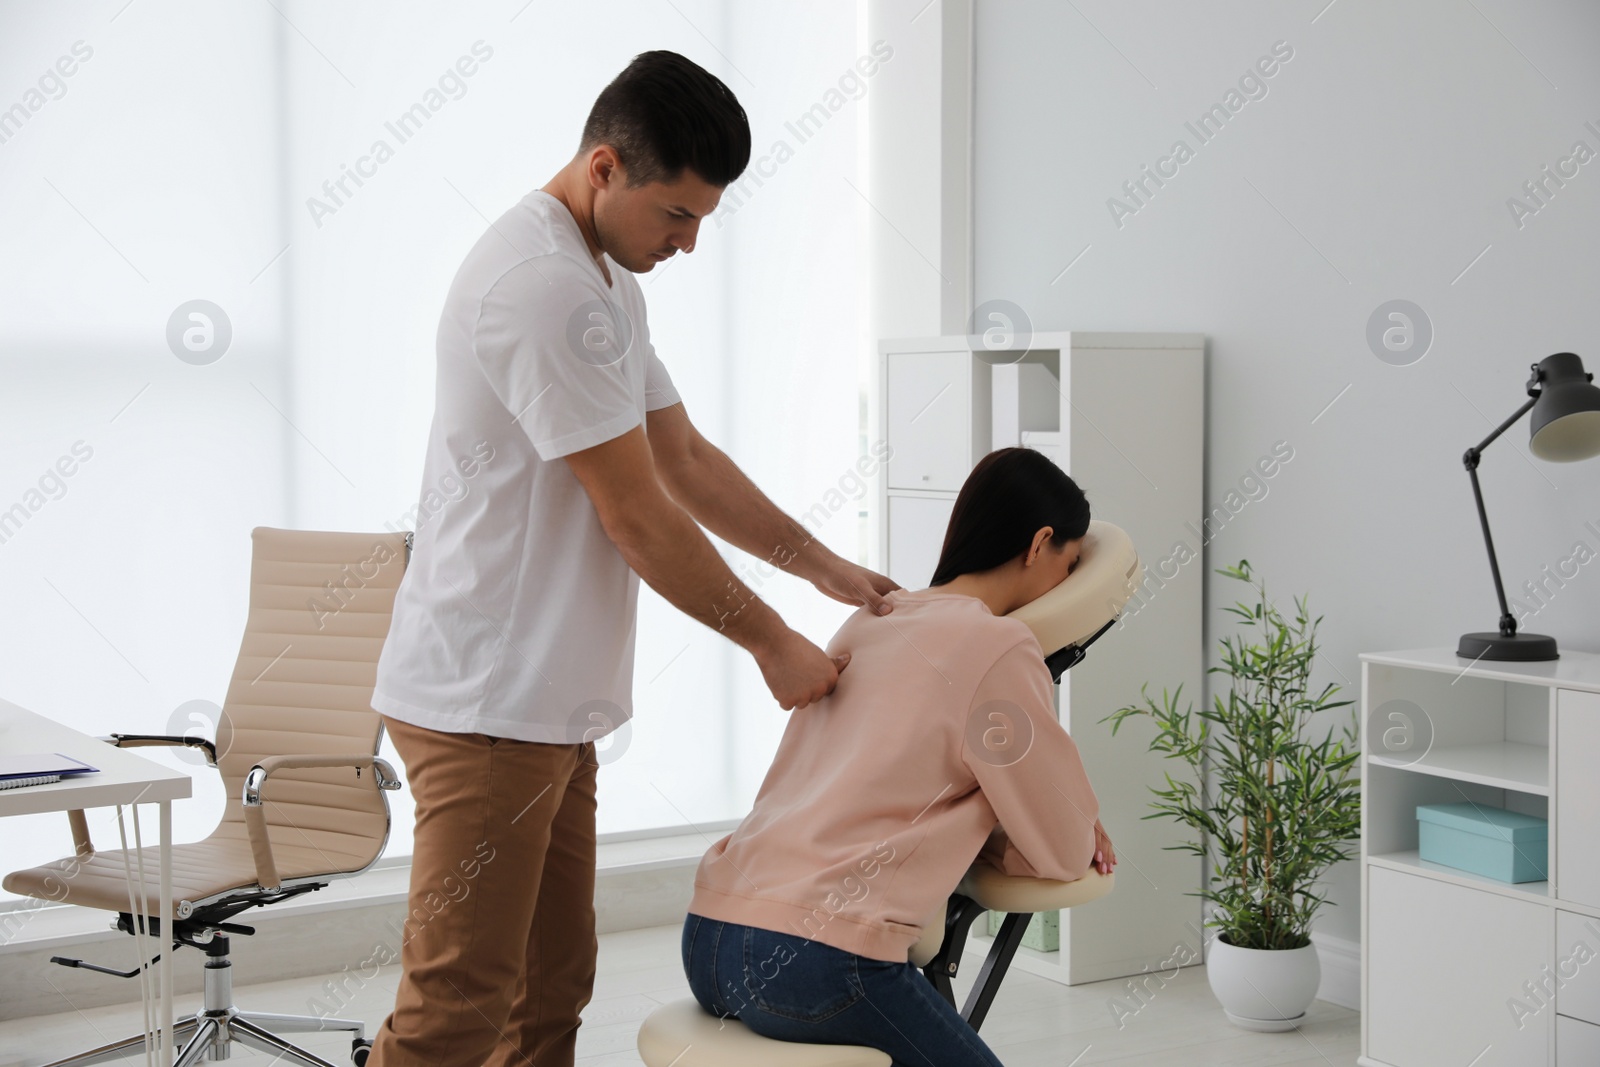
[[1507, 846], [1043, 932]]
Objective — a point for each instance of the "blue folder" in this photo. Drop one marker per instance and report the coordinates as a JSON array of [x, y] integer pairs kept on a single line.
[[39, 764]]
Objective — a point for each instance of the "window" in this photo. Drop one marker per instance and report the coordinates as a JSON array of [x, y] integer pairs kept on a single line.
[[216, 158]]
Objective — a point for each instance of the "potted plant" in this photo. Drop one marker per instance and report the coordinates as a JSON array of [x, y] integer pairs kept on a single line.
[[1280, 806]]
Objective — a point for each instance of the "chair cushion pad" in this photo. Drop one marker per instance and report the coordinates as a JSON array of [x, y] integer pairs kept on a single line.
[[201, 872], [682, 1034]]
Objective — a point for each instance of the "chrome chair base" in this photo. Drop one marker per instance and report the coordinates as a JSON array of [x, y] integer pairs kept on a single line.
[[209, 1034], [203, 1036]]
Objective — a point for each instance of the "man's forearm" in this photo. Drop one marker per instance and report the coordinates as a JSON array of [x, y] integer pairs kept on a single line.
[[673, 556], [720, 497]]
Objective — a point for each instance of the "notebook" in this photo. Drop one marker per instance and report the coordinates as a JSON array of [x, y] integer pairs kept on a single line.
[[38, 779], [38, 765]]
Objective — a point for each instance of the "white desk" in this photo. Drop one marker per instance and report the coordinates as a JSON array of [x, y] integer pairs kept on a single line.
[[124, 778]]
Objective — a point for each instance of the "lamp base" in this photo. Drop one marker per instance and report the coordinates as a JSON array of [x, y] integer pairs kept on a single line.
[[1493, 645]]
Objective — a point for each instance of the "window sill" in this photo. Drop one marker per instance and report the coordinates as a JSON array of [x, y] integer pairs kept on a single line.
[[63, 925]]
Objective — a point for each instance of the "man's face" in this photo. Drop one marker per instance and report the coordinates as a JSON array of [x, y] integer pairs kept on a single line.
[[642, 226]]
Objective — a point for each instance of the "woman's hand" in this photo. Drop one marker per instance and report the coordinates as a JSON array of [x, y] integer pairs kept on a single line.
[[1105, 857]]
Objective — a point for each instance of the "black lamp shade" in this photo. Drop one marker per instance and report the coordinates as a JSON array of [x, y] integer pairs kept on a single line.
[[1565, 422]]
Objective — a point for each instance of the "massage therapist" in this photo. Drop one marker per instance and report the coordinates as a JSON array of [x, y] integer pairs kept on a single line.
[[515, 620]]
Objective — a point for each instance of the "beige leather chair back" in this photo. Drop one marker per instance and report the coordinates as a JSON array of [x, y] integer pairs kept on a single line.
[[319, 612]]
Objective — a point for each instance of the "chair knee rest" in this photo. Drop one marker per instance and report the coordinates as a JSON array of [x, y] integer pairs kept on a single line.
[[1014, 893]]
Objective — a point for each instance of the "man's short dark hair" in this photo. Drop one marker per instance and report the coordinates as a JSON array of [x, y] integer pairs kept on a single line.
[[665, 113]]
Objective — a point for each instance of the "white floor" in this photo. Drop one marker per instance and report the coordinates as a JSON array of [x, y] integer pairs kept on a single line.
[[1034, 1022]]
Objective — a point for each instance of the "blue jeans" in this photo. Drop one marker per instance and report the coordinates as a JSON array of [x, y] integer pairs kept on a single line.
[[785, 987]]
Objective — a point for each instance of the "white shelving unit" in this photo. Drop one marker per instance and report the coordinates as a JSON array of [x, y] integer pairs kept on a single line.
[[1455, 967], [1123, 413], [1502, 764]]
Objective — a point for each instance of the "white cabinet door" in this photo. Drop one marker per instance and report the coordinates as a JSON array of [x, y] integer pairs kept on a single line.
[[1442, 961], [916, 534], [1577, 1043], [1578, 966], [1576, 797], [930, 419], [1577, 792]]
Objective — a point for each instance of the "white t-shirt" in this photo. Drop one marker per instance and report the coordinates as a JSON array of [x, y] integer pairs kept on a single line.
[[516, 614]]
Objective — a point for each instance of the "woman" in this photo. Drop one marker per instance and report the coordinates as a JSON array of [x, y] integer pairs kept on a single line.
[[881, 795]]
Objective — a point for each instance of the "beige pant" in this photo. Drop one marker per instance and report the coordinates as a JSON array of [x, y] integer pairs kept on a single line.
[[498, 952]]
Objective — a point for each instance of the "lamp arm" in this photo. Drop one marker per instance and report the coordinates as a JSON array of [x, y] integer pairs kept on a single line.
[[1508, 622], [1472, 457]]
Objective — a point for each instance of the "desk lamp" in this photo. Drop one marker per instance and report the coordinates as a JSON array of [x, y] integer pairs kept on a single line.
[[1565, 427]]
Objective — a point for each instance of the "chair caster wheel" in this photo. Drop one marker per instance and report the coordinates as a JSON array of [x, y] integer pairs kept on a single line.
[[360, 1049]]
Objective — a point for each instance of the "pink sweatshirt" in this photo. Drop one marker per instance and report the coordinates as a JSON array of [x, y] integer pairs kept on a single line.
[[882, 794]]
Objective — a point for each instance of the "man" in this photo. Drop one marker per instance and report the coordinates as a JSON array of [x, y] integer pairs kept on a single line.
[[511, 647]]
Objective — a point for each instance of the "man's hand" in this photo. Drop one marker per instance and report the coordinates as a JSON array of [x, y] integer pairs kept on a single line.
[[797, 671], [1105, 857], [851, 583], [716, 493]]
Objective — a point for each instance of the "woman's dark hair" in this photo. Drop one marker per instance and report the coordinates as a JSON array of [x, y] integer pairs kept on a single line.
[[664, 113], [1010, 495]]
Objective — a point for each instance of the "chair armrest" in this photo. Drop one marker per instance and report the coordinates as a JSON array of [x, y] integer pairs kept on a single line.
[[148, 740], [1016, 893], [272, 764], [255, 817], [81, 845]]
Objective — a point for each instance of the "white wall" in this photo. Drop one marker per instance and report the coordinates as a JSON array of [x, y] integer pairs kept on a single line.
[[1376, 167]]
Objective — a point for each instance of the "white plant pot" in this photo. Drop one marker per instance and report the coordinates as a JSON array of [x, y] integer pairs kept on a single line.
[[1263, 989]]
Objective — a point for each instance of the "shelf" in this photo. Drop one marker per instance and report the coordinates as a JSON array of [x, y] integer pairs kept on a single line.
[[1502, 764], [942, 405], [1411, 863], [1440, 945], [1574, 670]]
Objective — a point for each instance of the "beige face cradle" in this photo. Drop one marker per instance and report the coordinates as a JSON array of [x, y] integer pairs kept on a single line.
[[1082, 606], [1066, 620]]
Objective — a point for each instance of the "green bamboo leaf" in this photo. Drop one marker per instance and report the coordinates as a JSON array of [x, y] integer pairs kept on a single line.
[[1296, 790]]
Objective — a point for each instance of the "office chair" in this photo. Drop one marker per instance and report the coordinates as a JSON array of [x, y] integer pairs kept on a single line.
[[1066, 620], [297, 750]]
